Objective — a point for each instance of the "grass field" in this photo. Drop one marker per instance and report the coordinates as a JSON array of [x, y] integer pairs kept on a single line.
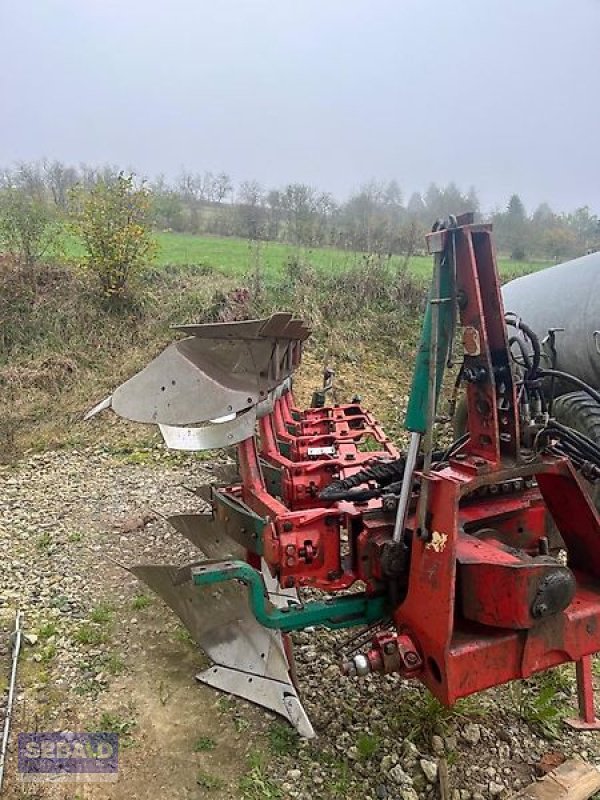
[[238, 256]]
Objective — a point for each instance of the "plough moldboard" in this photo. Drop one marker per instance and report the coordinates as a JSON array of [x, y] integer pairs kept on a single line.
[[448, 561]]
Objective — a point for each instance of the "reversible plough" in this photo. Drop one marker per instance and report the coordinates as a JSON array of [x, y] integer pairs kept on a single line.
[[464, 568]]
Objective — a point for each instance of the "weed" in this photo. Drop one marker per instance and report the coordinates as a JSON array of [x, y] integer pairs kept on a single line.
[[226, 704], [367, 744], [47, 654], [424, 715], [88, 634], [102, 614], [150, 451], [141, 601], [561, 678], [540, 701], [256, 785], [368, 445], [341, 783], [340, 771], [283, 740], [113, 723], [60, 601], [42, 679], [47, 630], [44, 542], [76, 536], [88, 688], [141, 456], [89, 685], [114, 664], [183, 635], [204, 744], [208, 782], [240, 724]]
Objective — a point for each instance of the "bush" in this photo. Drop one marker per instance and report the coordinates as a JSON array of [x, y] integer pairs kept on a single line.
[[113, 220], [29, 229]]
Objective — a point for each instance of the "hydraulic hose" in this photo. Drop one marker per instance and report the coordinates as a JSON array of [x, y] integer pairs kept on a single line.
[[512, 320], [565, 376], [387, 474]]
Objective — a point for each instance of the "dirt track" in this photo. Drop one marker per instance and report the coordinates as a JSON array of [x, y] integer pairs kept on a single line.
[[64, 519]]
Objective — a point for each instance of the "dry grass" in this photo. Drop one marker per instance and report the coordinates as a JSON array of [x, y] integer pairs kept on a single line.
[[62, 350]]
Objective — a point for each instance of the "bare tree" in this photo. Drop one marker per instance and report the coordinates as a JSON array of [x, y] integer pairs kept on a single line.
[[298, 201], [251, 210], [29, 179], [59, 179], [222, 186]]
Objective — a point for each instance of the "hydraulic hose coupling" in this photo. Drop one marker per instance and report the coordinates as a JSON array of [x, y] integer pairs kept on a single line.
[[390, 652]]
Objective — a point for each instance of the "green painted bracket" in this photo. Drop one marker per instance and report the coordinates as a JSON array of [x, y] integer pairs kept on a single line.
[[418, 404], [273, 478], [340, 612], [284, 448]]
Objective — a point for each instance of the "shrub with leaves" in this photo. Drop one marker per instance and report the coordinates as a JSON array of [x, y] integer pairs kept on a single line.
[[29, 229], [113, 221]]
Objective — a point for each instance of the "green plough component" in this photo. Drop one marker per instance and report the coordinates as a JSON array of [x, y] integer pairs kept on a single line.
[[418, 403], [341, 612]]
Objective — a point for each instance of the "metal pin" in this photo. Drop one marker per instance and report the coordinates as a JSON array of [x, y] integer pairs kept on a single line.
[[11, 693]]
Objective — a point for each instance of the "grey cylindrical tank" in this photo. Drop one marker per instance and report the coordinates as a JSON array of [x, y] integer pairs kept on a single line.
[[564, 296]]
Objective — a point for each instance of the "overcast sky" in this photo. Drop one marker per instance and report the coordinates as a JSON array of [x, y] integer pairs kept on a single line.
[[503, 95]]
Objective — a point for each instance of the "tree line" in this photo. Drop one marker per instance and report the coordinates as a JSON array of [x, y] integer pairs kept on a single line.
[[377, 218]]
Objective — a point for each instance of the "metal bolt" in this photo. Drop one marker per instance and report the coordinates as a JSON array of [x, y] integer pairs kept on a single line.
[[362, 665], [411, 659], [389, 502], [288, 526]]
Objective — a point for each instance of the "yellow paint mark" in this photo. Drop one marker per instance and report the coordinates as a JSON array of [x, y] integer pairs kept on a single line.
[[438, 542]]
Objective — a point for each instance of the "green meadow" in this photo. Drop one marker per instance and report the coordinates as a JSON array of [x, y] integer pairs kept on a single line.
[[234, 257]]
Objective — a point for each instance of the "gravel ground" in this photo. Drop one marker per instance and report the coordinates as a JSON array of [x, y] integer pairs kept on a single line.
[[102, 653]]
